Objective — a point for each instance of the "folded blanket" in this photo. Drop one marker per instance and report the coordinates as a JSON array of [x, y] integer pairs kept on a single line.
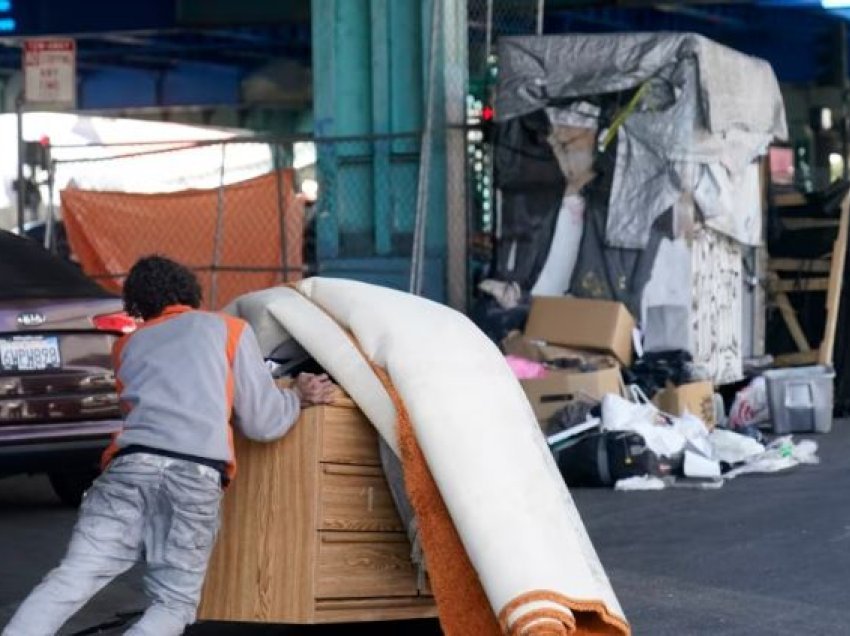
[[505, 547]]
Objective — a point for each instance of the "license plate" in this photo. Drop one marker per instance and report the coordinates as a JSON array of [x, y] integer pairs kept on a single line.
[[29, 353]]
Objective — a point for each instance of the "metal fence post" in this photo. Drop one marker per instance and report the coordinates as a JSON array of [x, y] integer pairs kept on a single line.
[[417, 260], [455, 80], [49, 240], [219, 219], [541, 9], [281, 213], [19, 111]]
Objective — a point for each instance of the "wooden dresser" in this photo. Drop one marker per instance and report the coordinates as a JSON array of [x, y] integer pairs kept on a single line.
[[310, 533]]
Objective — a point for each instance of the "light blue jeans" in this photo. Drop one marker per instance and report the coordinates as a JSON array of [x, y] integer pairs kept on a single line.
[[164, 509]]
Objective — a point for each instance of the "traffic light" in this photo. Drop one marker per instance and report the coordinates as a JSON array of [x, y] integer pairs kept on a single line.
[[487, 124], [37, 153]]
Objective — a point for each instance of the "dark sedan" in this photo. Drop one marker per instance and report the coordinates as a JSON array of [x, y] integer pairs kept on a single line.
[[58, 402]]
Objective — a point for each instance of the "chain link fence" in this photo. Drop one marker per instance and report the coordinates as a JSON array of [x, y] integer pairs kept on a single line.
[[230, 210], [244, 214], [371, 221], [489, 19], [366, 204]]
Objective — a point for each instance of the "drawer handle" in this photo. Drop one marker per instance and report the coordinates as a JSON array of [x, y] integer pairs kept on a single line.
[[352, 469], [370, 499]]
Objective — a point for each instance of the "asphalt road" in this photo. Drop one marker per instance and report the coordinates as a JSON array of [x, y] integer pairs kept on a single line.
[[766, 555]]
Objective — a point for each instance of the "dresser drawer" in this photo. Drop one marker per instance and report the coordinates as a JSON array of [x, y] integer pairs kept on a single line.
[[364, 565], [356, 498], [348, 437]]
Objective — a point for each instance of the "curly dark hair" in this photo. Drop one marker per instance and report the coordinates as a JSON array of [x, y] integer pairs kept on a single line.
[[155, 282]]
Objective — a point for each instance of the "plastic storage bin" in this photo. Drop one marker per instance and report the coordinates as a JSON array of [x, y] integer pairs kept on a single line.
[[800, 399]]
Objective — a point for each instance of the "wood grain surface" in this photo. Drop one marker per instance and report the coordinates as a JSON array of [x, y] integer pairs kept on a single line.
[[262, 567], [354, 499], [349, 438], [364, 565], [310, 533]]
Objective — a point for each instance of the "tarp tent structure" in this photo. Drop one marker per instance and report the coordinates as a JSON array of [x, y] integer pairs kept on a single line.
[[652, 141]]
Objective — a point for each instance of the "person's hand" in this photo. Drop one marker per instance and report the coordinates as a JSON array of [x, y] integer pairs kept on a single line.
[[314, 389]]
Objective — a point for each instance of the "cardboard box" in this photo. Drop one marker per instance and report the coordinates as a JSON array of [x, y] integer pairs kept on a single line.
[[696, 397], [520, 345], [600, 325], [550, 394]]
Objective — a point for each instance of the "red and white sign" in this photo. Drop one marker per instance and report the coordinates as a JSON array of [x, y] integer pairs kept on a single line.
[[50, 72]]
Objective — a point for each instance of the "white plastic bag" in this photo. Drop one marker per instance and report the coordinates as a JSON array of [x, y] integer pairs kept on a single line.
[[734, 448], [691, 426], [645, 419], [618, 414], [642, 482], [750, 406], [783, 453], [806, 452]]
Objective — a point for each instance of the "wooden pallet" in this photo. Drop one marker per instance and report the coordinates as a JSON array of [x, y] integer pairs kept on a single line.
[[779, 287]]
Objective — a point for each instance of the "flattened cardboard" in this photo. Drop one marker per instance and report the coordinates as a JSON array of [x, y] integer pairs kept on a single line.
[[520, 345], [599, 325], [696, 397], [550, 394]]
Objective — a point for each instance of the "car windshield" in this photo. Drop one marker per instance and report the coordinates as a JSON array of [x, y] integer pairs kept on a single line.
[[27, 270]]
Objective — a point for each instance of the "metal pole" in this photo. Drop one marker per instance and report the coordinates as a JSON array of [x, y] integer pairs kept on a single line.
[[496, 230], [21, 198], [49, 242], [417, 260], [845, 96], [845, 130], [219, 221], [488, 33], [454, 66], [541, 5], [281, 215]]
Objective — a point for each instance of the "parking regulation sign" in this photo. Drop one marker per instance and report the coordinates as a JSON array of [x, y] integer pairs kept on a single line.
[[50, 72]]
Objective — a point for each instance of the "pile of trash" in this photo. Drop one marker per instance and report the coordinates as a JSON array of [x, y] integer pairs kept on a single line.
[[632, 445], [615, 416]]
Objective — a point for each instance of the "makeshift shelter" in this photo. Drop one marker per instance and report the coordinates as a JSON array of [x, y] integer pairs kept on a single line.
[[238, 238], [654, 142], [632, 175]]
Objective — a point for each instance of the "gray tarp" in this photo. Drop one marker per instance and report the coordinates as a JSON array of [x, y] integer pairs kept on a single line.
[[707, 113]]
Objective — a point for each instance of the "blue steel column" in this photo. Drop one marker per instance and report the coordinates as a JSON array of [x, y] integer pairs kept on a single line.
[[322, 34], [407, 104], [342, 103], [435, 237], [381, 124], [370, 62]]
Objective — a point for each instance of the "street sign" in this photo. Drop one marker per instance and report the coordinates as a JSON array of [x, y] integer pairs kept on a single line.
[[50, 72]]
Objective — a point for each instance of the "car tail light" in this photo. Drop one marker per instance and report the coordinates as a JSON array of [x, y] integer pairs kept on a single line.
[[119, 322]]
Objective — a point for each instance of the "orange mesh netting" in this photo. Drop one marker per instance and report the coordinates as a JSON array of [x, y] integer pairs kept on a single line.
[[109, 231]]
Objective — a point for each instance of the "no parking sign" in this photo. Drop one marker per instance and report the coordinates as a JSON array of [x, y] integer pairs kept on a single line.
[[50, 72]]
